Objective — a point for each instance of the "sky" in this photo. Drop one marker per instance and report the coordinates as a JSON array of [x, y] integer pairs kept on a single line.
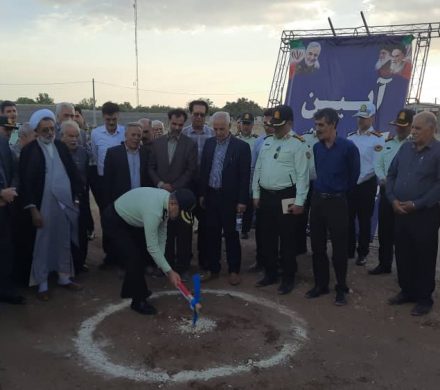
[[188, 49]]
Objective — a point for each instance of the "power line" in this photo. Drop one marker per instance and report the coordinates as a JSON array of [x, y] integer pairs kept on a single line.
[[178, 93], [43, 84]]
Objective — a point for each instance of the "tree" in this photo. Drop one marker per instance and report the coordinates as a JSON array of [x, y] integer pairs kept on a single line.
[[243, 105], [43, 98], [25, 100], [86, 104], [126, 106]]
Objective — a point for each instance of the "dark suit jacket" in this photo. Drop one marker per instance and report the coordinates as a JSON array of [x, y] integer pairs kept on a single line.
[[183, 167], [236, 170], [6, 164], [117, 173], [33, 172]]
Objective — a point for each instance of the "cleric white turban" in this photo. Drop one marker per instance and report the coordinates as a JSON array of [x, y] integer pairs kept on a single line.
[[38, 116]]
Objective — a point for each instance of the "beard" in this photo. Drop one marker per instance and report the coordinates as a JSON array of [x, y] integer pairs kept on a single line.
[[380, 63], [396, 67]]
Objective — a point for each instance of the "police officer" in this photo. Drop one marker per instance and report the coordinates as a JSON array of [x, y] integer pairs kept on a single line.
[[245, 134], [361, 199], [386, 214], [280, 186]]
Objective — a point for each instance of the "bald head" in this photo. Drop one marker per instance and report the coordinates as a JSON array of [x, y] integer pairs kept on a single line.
[[423, 128], [147, 131]]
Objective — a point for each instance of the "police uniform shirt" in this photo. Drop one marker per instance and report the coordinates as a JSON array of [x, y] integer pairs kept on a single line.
[[386, 155], [311, 139], [369, 145], [282, 163], [249, 140], [146, 207]]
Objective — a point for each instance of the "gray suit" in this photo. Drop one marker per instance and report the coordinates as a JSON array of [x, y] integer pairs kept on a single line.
[[180, 174]]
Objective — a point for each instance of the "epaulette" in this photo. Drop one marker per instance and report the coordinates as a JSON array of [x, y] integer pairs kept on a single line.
[[376, 133], [352, 133], [390, 138], [299, 138]]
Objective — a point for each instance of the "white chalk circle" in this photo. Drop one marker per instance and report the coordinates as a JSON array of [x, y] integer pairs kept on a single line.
[[98, 361]]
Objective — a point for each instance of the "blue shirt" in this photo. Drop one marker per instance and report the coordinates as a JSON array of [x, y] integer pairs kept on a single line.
[[415, 175], [215, 176], [199, 138], [337, 167], [101, 141], [134, 165]]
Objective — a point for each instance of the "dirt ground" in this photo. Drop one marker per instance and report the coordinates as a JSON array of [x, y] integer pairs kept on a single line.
[[364, 345]]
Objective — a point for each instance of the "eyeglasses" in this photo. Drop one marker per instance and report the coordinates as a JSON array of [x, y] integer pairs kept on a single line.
[[277, 152], [199, 114]]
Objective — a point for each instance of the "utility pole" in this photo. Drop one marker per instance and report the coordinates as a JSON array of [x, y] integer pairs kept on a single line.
[[94, 104], [136, 51]]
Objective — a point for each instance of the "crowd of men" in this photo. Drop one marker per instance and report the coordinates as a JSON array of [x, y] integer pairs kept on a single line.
[[150, 186]]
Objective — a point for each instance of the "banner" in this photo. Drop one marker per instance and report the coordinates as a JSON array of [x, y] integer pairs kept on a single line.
[[345, 72]]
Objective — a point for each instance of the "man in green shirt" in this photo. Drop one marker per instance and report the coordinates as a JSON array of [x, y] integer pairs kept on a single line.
[[148, 209], [280, 186]]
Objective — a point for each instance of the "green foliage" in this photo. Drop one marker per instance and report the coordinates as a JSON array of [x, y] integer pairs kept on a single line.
[[25, 100], [43, 98], [242, 105]]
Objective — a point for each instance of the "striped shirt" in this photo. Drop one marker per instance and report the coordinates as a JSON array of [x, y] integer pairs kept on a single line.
[[199, 138], [215, 176]]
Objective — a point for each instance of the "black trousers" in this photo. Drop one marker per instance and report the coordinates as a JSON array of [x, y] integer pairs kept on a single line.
[[278, 231], [202, 240], [221, 217], [248, 216], [179, 245], [6, 252], [361, 206], [386, 231], [416, 240], [329, 214], [258, 238], [127, 244], [301, 231]]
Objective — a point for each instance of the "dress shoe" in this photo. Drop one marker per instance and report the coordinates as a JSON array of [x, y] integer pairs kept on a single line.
[[83, 268], [340, 299], [421, 309], [43, 295], [399, 299], [143, 307], [286, 287], [266, 281], [208, 276], [379, 270], [315, 292], [361, 260], [13, 299], [244, 236], [255, 268], [234, 279], [72, 286]]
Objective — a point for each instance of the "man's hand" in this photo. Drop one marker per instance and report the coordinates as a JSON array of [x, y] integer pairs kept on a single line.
[[295, 210], [168, 187], [174, 278], [8, 194], [398, 209], [202, 202], [37, 219], [409, 206], [257, 203], [241, 208]]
